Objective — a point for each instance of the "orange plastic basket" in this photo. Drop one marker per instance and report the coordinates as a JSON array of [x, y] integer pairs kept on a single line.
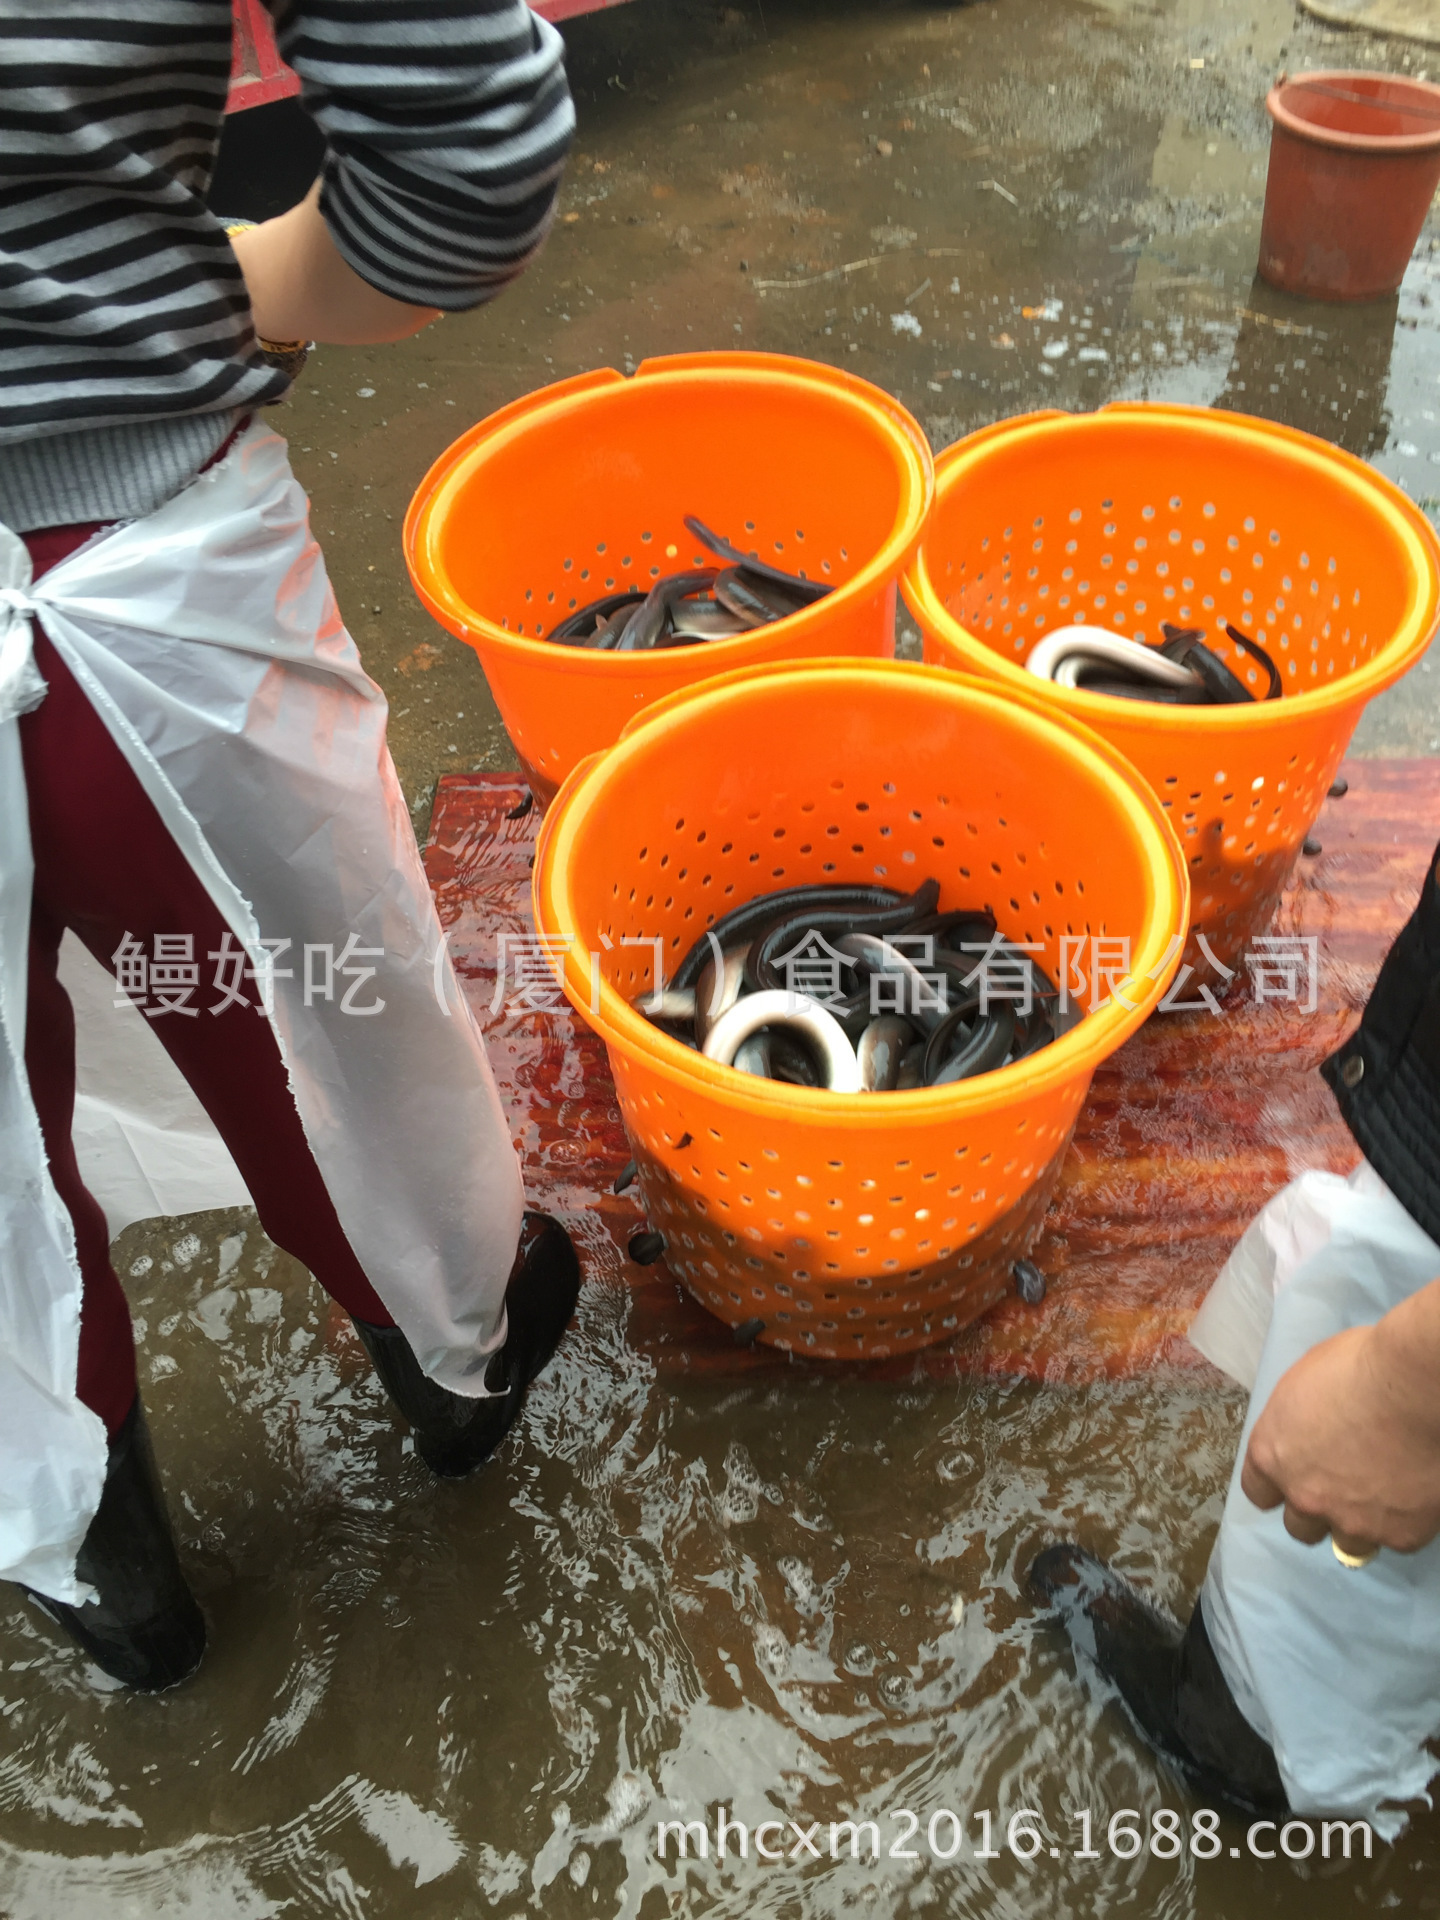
[[851, 1224], [1141, 514], [582, 489]]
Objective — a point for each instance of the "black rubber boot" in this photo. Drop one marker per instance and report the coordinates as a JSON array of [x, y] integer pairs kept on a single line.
[[454, 1433], [145, 1629], [1167, 1676]]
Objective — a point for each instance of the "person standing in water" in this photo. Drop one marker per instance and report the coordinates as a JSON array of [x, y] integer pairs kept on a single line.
[[1312, 1682], [193, 763]]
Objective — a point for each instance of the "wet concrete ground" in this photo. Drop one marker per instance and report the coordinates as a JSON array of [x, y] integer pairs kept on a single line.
[[428, 1700]]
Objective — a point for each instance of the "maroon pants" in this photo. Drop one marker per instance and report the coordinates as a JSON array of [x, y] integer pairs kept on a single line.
[[106, 867]]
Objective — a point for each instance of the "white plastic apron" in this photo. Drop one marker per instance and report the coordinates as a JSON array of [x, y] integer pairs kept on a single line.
[[1338, 1668], [143, 1143], [209, 641]]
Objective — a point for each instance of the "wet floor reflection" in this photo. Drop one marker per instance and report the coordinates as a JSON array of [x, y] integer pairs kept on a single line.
[[1325, 370], [797, 1597]]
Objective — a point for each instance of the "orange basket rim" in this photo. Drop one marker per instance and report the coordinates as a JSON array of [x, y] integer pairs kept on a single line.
[[1078, 1052], [465, 455], [1373, 495]]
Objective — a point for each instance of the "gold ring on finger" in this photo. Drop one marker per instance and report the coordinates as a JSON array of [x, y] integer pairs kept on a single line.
[[1352, 1559]]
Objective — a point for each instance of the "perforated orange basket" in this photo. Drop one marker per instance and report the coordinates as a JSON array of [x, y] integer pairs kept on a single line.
[[851, 1224], [582, 489], [1141, 514]]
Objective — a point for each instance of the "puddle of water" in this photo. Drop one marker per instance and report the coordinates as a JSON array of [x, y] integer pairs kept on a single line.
[[794, 1595], [797, 1597]]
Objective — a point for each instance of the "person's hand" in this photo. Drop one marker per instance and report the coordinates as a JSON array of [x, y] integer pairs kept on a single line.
[[1349, 1440], [301, 289]]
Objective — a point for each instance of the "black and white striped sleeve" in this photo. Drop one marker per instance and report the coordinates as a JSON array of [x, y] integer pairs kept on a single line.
[[446, 124]]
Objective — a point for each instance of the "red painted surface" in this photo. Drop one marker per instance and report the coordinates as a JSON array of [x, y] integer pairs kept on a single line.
[[258, 74], [568, 9], [1188, 1129]]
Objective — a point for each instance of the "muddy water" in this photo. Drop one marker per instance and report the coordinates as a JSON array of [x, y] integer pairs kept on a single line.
[[799, 1597], [794, 1595]]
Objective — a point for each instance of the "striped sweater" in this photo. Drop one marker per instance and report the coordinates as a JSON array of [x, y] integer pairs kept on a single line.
[[126, 344]]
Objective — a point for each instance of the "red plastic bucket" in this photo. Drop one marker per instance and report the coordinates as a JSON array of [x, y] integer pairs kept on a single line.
[[1354, 163]]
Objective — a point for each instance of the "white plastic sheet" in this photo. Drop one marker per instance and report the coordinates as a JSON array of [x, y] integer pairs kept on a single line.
[[144, 1144], [1338, 1668], [208, 639], [52, 1449]]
